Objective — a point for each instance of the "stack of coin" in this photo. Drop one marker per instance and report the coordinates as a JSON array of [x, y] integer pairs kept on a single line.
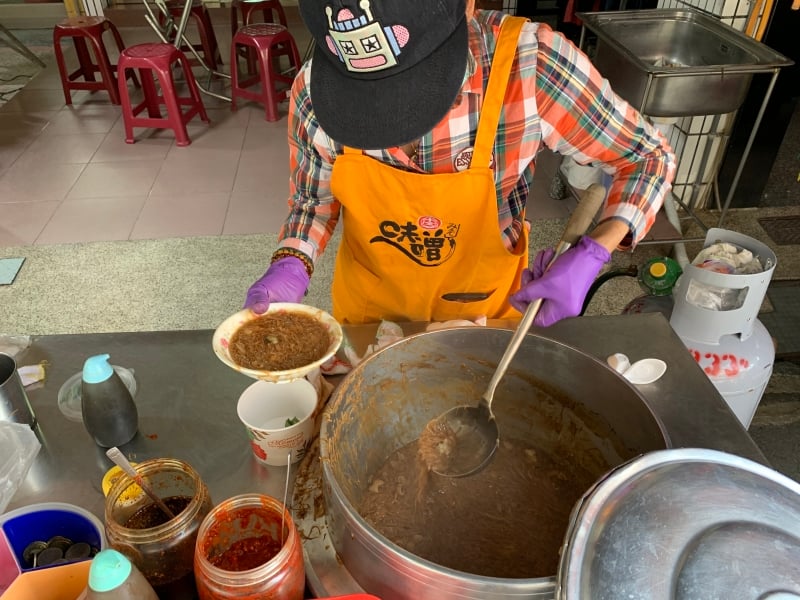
[[56, 550]]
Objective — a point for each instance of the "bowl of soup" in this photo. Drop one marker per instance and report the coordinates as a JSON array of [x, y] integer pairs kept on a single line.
[[286, 342]]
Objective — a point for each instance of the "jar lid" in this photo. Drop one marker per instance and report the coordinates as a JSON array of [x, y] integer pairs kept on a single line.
[[110, 478], [69, 396]]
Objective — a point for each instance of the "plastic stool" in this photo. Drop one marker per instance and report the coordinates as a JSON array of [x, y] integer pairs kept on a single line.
[[81, 30], [159, 59], [208, 40], [271, 12], [266, 39]]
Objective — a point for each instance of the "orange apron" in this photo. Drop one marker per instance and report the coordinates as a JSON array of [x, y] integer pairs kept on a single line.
[[412, 240]]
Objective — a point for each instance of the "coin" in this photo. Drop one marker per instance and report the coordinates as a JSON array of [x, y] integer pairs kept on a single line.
[[31, 550], [60, 542], [78, 551], [48, 556]]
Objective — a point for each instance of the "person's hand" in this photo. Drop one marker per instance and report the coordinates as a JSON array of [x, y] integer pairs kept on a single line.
[[564, 285], [286, 280]]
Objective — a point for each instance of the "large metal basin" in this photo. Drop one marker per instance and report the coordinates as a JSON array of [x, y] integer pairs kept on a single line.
[[677, 62], [596, 417]]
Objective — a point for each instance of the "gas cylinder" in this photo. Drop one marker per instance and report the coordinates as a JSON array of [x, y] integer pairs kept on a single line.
[[726, 338]]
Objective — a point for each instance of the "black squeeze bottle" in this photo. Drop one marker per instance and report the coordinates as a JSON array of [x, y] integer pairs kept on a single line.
[[109, 412]]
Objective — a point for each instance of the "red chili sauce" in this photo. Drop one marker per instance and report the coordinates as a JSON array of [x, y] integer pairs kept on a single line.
[[243, 539], [247, 554]]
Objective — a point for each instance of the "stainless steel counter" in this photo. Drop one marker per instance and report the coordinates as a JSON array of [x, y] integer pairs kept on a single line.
[[187, 404]]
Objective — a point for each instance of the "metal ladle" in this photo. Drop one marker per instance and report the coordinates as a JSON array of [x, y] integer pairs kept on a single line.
[[463, 439]]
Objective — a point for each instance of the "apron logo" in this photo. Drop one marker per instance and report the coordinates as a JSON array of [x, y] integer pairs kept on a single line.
[[429, 222], [424, 244], [361, 42], [464, 158]]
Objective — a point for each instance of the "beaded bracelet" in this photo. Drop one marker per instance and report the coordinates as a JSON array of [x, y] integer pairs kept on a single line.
[[284, 252]]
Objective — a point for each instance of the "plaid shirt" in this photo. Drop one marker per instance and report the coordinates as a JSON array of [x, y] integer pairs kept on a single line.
[[554, 97]]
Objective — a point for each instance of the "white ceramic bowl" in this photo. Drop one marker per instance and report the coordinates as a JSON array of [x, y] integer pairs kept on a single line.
[[228, 327]]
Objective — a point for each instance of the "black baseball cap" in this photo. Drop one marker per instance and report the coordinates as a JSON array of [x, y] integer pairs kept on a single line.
[[385, 72]]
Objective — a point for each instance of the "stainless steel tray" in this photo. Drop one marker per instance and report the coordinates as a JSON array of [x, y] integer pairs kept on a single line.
[[677, 62]]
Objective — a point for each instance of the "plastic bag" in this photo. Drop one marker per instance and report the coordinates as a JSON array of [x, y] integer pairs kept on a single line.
[[728, 259], [13, 344], [18, 447]]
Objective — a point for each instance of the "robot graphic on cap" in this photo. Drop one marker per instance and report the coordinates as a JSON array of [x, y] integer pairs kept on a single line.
[[361, 43]]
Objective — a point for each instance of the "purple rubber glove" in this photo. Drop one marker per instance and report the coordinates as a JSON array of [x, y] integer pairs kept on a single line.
[[564, 286], [286, 280]]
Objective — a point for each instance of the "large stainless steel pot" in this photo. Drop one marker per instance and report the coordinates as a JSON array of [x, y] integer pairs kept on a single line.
[[386, 400]]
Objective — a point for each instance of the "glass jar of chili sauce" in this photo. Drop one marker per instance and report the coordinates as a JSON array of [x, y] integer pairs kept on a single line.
[[162, 548], [243, 553]]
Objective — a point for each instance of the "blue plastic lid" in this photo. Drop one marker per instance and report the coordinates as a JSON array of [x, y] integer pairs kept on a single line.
[[97, 369], [109, 570]]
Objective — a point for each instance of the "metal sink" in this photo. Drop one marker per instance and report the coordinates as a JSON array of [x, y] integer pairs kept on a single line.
[[677, 62]]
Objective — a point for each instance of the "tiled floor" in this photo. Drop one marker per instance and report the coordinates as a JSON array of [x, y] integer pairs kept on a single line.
[[67, 175]]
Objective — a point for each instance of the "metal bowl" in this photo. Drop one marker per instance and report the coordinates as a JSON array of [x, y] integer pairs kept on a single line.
[[682, 524], [221, 340]]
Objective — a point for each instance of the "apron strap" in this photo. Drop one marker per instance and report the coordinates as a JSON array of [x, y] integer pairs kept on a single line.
[[503, 59]]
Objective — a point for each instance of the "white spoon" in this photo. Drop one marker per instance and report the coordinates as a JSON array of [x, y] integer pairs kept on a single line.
[[642, 372]]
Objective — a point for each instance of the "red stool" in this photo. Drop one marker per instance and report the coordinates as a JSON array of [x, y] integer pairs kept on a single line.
[[81, 30], [271, 12], [159, 59], [265, 39], [202, 19]]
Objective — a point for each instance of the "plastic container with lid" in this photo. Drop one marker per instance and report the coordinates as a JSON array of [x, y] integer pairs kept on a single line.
[[112, 575], [109, 412], [163, 550], [242, 553]]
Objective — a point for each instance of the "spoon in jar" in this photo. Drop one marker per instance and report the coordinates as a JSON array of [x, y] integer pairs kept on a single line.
[[461, 440], [119, 459]]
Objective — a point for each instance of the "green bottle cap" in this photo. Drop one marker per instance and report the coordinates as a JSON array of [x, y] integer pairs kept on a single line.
[[658, 275]]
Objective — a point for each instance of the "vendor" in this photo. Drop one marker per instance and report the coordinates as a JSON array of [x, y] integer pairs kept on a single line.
[[418, 123]]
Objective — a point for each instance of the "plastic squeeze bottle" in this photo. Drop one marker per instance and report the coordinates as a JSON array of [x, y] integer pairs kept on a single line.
[[109, 412], [112, 575]]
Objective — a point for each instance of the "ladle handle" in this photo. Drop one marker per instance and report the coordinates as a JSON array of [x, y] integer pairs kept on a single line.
[[579, 222]]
